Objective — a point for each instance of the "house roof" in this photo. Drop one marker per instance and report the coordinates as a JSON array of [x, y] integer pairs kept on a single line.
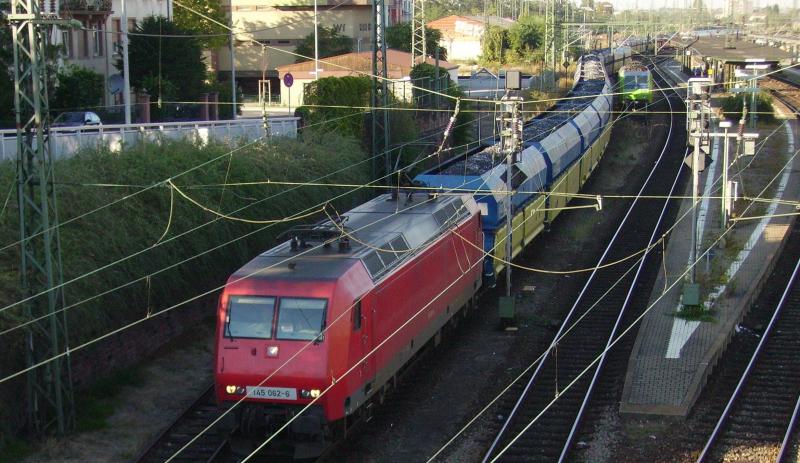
[[398, 65], [448, 23]]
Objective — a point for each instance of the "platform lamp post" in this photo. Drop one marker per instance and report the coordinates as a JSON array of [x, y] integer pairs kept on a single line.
[[511, 140]]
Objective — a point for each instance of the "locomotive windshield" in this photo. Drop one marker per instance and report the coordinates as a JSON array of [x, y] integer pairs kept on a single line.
[[250, 317], [301, 319]]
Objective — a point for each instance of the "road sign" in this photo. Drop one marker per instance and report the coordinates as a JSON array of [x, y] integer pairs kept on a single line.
[[288, 79]]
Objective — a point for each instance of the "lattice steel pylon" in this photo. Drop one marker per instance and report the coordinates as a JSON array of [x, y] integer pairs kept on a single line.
[[551, 39], [418, 32], [380, 91], [49, 390]]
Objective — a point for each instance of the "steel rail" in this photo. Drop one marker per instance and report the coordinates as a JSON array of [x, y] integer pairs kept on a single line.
[[745, 376], [788, 435], [578, 418], [569, 316]]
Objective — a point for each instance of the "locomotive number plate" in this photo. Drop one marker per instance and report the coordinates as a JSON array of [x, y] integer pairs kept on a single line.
[[278, 393]]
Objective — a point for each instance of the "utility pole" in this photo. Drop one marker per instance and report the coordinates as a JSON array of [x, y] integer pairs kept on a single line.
[[233, 71], [727, 186], [510, 141], [316, 43], [49, 383], [126, 87]]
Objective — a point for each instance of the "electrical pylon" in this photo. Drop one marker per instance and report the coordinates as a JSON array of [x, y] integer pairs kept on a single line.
[[49, 390], [418, 32], [380, 91]]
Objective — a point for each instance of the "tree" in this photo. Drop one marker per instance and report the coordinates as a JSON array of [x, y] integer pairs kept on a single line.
[[525, 37], [196, 24], [76, 88], [164, 62], [495, 42], [331, 43], [6, 69], [341, 92], [399, 38]]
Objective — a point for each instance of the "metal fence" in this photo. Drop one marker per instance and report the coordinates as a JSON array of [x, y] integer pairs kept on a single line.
[[66, 141]]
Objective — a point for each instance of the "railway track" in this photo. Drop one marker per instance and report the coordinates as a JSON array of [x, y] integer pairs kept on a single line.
[[758, 416], [537, 428], [785, 91], [211, 446]]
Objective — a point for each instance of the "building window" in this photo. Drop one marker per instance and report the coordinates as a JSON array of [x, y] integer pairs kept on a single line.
[[365, 27], [116, 27], [97, 41], [66, 39], [131, 24]]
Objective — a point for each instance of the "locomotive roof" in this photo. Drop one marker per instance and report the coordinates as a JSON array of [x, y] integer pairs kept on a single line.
[[383, 233]]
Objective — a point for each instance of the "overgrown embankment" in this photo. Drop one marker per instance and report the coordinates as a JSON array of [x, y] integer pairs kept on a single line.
[[169, 238]]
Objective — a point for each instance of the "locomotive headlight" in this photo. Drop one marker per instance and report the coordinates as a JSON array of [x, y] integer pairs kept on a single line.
[[309, 394], [233, 389], [272, 351]]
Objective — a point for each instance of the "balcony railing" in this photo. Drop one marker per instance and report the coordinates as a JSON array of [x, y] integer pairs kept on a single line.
[[86, 6]]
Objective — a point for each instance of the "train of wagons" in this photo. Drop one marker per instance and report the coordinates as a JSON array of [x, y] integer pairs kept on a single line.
[[336, 312]]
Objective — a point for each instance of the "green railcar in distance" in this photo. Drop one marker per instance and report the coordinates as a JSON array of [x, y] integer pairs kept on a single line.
[[635, 85]]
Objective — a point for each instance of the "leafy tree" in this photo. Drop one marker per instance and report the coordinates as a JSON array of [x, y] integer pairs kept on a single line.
[[462, 130], [495, 43], [525, 37], [6, 67], [196, 24], [337, 91], [154, 60], [77, 88], [331, 43], [399, 38]]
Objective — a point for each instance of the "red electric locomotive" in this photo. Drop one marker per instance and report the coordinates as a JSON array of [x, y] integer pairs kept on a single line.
[[334, 304]]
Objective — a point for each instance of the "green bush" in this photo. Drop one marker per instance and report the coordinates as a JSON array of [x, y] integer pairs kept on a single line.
[[732, 106], [135, 224], [77, 88]]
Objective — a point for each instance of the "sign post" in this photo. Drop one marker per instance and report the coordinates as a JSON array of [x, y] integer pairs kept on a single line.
[[288, 81]]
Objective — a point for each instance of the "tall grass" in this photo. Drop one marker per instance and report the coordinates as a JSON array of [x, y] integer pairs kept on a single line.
[[136, 224]]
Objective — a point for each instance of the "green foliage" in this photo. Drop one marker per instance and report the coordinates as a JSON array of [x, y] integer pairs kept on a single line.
[[135, 224], [331, 43], [196, 24], [224, 90], [94, 406], [6, 70], [156, 61], [338, 91], [399, 38], [495, 43], [77, 88], [462, 132], [732, 106], [525, 38]]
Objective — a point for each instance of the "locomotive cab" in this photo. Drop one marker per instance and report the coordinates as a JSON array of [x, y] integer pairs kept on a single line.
[[274, 347]]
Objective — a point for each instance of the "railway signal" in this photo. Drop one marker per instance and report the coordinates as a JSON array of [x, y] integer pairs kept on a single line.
[[511, 140]]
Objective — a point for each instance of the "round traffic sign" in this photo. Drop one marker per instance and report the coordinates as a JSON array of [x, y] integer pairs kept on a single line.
[[288, 79]]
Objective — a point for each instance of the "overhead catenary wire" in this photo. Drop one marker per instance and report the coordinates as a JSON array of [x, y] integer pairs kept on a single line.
[[356, 187], [323, 392], [611, 344], [678, 279]]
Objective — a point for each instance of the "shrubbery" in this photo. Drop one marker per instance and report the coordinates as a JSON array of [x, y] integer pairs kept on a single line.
[[134, 225], [732, 106]]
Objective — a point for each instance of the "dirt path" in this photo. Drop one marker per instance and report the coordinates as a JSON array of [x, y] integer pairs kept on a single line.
[[168, 384]]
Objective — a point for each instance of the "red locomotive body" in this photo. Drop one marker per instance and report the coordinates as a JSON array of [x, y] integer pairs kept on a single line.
[[298, 317]]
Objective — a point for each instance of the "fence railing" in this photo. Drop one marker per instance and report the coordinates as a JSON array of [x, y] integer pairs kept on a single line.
[[66, 141]]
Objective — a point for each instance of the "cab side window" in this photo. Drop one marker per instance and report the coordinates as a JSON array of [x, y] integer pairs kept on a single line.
[[357, 316]]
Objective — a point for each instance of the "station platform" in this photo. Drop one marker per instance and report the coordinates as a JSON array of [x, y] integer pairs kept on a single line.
[[672, 357]]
